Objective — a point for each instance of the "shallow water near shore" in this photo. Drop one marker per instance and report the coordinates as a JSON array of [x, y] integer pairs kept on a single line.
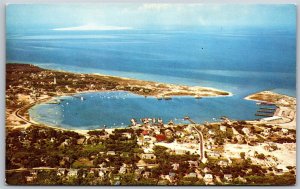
[[115, 109]]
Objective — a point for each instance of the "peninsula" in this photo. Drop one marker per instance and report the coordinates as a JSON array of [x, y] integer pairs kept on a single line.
[[285, 113], [28, 84]]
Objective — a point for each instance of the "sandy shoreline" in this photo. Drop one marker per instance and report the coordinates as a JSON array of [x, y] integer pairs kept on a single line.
[[81, 131], [193, 90], [47, 99]]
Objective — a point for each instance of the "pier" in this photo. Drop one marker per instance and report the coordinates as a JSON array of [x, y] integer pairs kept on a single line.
[[189, 119], [268, 109], [264, 111], [265, 103], [263, 115]]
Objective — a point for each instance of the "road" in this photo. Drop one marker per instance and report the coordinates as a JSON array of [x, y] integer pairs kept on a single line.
[[200, 136]]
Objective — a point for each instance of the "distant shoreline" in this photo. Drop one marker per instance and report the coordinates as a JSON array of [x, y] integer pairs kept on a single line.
[[164, 89]]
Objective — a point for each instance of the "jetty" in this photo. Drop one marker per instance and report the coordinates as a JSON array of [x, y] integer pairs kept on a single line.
[[265, 103]]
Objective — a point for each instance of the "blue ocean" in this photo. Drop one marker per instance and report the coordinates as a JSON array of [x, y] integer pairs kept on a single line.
[[241, 60]]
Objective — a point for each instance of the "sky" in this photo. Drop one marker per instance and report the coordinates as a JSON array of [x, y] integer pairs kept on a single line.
[[22, 17]]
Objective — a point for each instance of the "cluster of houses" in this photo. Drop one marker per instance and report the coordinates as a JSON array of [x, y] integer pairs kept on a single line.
[[154, 134]]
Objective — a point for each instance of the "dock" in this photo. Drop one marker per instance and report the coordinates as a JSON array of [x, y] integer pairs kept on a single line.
[[264, 115], [265, 103], [266, 111], [189, 119]]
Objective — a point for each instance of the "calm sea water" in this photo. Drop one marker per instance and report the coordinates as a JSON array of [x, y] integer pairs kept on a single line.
[[242, 62], [115, 109]]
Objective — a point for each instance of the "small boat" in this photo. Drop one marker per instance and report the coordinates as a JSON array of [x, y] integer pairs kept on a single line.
[[198, 97], [159, 97], [186, 118], [167, 97], [53, 102]]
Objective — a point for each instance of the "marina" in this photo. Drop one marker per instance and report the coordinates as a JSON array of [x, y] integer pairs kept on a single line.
[[116, 109]]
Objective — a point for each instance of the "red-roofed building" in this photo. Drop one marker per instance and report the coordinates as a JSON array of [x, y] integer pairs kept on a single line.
[[160, 138], [145, 132]]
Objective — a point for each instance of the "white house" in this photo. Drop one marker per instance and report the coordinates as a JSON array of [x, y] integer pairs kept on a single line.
[[112, 153], [223, 163], [228, 177], [285, 131], [72, 172], [211, 132], [148, 156], [246, 130], [223, 128], [175, 166], [208, 178]]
